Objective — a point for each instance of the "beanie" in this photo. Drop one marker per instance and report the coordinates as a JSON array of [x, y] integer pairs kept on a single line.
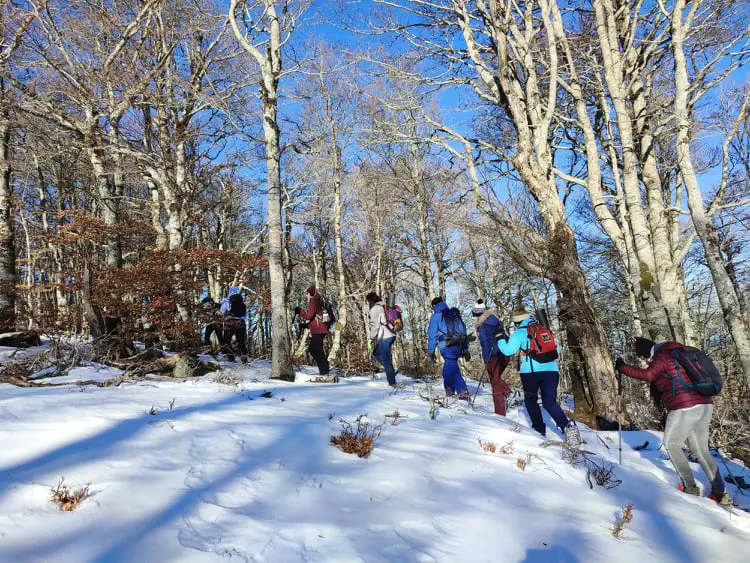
[[643, 347]]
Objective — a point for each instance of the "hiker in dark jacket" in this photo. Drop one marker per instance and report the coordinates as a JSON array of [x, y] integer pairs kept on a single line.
[[313, 314], [234, 311], [381, 337], [489, 329], [452, 379], [688, 418]]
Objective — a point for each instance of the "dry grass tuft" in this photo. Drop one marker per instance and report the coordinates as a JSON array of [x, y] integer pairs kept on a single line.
[[627, 518], [396, 416], [359, 439], [488, 447], [66, 498], [523, 462]]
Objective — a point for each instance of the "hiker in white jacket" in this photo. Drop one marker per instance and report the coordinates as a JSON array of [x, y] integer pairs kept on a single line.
[[381, 337]]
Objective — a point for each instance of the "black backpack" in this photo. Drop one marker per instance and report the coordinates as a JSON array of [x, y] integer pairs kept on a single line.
[[328, 313], [455, 329], [700, 370], [237, 306]]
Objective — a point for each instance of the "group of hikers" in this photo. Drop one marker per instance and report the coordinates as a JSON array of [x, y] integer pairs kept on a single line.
[[681, 376]]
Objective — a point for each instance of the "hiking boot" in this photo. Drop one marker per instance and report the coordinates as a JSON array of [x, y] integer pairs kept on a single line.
[[243, 359], [572, 435], [464, 396], [689, 490], [723, 498]]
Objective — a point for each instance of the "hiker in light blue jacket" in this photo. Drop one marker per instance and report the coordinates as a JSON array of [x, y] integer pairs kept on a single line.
[[537, 377]]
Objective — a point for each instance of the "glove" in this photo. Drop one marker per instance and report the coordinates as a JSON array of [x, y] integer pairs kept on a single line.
[[619, 363], [369, 345], [466, 356], [297, 310], [433, 357]]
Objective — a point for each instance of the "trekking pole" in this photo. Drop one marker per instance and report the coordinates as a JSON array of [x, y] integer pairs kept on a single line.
[[481, 378], [619, 413], [729, 471]]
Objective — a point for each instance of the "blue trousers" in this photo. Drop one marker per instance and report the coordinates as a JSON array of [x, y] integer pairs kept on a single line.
[[382, 353], [452, 379], [546, 383]]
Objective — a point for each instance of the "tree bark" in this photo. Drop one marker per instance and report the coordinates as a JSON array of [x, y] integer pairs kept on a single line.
[[270, 63], [730, 306], [7, 238]]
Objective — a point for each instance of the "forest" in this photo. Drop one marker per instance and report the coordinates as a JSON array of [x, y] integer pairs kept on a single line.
[[588, 157]]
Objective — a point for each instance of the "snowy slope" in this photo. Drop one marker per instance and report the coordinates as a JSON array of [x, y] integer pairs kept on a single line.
[[229, 475]]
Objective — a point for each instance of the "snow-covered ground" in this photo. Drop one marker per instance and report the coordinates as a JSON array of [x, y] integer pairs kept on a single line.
[[222, 473]]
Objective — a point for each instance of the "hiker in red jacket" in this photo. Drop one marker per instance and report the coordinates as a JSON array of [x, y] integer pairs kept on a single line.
[[689, 416], [313, 314]]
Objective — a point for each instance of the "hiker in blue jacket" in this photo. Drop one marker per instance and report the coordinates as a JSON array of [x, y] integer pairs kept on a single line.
[[436, 332], [537, 377]]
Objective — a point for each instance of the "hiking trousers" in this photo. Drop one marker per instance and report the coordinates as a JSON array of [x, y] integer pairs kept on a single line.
[[692, 425], [452, 379], [317, 351], [382, 353], [236, 328], [544, 382], [500, 389]]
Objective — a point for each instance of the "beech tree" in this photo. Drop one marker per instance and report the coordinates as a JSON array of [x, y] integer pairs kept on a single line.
[[263, 28]]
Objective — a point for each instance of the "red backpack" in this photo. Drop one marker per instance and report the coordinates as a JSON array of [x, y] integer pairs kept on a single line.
[[542, 346]]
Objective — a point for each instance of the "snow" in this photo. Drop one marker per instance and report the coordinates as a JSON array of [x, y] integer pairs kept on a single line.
[[221, 473]]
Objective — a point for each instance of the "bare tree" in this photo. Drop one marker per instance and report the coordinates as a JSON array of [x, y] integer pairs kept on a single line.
[[263, 28]]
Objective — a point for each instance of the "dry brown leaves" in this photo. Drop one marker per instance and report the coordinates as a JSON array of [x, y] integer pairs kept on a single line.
[[66, 498], [627, 518], [359, 439]]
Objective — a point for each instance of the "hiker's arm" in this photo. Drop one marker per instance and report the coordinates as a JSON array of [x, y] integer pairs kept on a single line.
[[654, 370], [312, 309], [224, 307], [374, 316], [432, 333], [513, 344]]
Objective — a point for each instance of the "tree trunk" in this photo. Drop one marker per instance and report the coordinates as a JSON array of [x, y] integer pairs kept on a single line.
[[706, 231], [7, 239]]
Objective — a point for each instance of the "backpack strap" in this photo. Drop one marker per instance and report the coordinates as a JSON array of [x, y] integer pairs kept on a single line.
[[684, 385]]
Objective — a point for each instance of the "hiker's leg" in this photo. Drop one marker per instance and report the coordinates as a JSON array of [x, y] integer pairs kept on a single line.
[[317, 352], [548, 381], [675, 434], [499, 387], [385, 359], [531, 401], [240, 333], [450, 367], [698, 442], [459, 384]]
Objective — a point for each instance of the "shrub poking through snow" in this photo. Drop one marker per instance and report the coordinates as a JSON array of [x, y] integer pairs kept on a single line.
[[152, 411], [627, 518], [359, 439], [523, 462], [396, 416], [604, 475], [266, 394], [507, 449], [488, 447], [66, 498], [228, 378]]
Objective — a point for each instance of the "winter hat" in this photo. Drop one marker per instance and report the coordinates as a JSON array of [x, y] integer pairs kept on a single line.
[[520, 314], [479, 308], [312, 290], [234, 289], [643, 347]]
